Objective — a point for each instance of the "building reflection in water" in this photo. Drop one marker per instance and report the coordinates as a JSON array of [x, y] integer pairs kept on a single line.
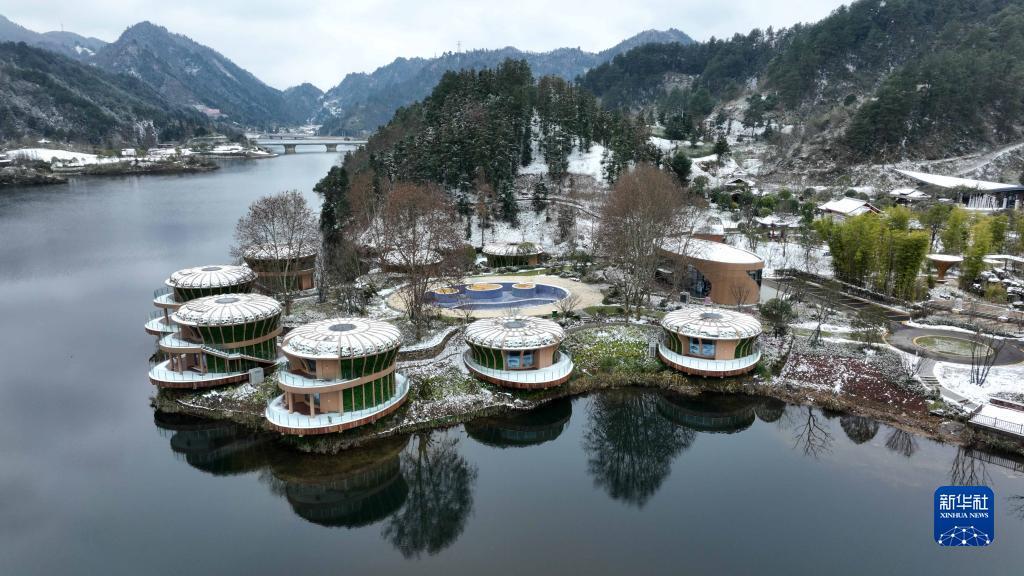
[[527, 428], [858, 429], [218, 447], [712, 413], [419, 490], [358, 488]]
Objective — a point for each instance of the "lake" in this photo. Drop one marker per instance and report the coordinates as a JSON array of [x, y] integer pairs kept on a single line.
[[93, 482]]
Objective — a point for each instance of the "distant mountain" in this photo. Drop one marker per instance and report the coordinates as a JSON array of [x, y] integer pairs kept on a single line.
[[362, 102], [45, 94], [66, 43], [873, 80], [303, 101], [187, 73]]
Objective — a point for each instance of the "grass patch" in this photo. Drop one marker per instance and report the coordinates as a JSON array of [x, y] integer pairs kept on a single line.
[[612, 349], [451, 382]]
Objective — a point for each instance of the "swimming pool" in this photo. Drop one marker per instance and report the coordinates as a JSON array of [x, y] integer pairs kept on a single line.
[[495, 295]]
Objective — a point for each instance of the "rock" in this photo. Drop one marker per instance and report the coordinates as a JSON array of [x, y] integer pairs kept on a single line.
[[27, 176]]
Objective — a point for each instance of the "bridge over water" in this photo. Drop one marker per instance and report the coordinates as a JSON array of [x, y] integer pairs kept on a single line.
[[290, 141]]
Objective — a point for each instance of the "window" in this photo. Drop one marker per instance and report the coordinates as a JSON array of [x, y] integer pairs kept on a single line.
[[512, 360], [528, 359], [696, 284], [701, 349]]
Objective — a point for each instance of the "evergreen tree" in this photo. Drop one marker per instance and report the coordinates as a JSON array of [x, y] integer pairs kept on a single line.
[[681, 166]]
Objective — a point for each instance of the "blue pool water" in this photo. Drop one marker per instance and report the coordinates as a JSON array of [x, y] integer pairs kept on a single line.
[[506, 296]]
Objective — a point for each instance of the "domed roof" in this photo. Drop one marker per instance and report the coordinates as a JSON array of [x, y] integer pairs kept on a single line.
[[712, 323], [514, 333], [342, 338], [701, 249], [227, 310], [216, 276], [512, 249], [279, 251]]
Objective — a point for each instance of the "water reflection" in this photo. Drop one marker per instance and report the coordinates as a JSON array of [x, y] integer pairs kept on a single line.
[[218, 447], [709, 412], [770, 409], [629, 446], [858, 428], [529, 428], [360, 488], [420, 490], [810, 434], [901, 442], [967, 469], [440, 497]]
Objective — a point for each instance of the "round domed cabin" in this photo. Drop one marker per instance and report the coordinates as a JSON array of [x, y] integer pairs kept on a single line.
[[282, 268], [705, 341], [512, 254], [517, 352], [192, 283], [714, 271], [219, 340], [340, 374]]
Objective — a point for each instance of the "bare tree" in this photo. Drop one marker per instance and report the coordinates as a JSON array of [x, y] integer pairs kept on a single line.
[[985, 349], [279, 231], [567, 305], [415, 234], [740, 292], [645, 205]]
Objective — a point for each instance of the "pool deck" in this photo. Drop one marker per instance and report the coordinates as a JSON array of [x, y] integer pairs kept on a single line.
[[589, 294]]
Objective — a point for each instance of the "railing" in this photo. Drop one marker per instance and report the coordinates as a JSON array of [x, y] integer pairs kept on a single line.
[[998, 424], [155, 321], [176, 342], [277, 412], [161, 292], [708, 365], [560, 369], [164, 374], [296, 381]]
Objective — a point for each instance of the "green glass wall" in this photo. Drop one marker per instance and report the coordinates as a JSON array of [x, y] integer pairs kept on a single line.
[[366, 365], [186, 294], [370, 394], [218, 335]]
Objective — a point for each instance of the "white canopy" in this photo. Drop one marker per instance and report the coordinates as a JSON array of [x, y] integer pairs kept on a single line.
[[711, 323], [514, 333], [342, 338]]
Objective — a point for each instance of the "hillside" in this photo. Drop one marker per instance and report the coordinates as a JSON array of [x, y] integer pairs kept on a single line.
[[66, 43], [190, 74], [877, 79], [44, 94], [362, 102]]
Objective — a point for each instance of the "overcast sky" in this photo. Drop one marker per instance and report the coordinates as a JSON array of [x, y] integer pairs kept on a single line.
[[287, 43]]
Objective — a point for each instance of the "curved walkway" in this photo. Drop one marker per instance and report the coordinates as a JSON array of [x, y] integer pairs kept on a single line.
[[903, 336]]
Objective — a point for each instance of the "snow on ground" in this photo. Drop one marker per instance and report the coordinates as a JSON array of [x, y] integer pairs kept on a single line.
[[913, 324], [585, 163], [825, 327], [1001, 380], [778, 255], [664, 144], [48, 155]]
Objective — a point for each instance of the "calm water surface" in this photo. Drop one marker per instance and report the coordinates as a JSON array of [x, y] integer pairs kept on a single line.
[[93, 482]]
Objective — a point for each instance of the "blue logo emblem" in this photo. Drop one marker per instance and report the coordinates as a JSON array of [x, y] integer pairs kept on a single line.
[[964, 516]]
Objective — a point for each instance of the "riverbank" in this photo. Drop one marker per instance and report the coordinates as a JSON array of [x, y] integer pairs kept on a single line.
[[11, 176], [445, 395]]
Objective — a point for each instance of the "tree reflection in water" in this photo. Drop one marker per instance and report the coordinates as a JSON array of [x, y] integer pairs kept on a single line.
[[858, 428], [810, 435], [968, 470], [439, 500], [629, 446], [901, 442]]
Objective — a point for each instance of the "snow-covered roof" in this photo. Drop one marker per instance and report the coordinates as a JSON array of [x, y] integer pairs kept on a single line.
[[711, 323], [773, 220], [512, 249], [514, 333], [342, 338], [848, 207], [227, 310], [216, 276], [911, 193], [945, 258], [955, 182], [700, 249], [421, 257], [280, 251]]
